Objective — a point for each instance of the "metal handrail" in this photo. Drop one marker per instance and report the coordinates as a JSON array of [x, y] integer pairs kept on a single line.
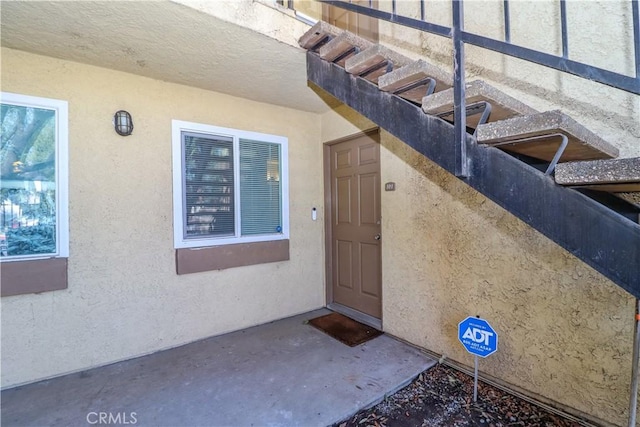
[[460, 38], [560, 63]]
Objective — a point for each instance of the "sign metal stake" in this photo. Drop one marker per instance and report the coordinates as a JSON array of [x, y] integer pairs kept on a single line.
[[475, 380]]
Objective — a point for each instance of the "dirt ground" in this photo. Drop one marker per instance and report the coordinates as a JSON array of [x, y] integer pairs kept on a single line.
[[442, 396]]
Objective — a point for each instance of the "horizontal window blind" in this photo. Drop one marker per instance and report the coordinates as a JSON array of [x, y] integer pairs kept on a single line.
[[260, 188], [208, 185]]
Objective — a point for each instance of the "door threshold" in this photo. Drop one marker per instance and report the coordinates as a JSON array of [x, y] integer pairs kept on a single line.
[[356, 315]]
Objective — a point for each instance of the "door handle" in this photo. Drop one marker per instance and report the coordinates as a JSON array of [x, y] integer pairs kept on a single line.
[[377, 237]]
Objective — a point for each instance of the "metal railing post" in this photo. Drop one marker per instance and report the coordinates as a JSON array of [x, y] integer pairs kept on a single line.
[[636, 34], [633, 398], [507, 22], [563, 26], [459, 109]]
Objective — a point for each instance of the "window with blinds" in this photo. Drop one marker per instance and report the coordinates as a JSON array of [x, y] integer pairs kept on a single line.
[[260, 201], [208, 186], [230, 186]]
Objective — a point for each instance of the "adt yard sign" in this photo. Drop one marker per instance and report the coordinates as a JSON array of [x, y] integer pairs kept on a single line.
[[477, 336]]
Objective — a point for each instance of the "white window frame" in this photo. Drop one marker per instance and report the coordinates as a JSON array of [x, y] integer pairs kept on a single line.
[[178, 127], [62, 169]]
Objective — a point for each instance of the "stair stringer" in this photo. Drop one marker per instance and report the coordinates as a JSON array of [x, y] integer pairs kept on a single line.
[[600, 237]]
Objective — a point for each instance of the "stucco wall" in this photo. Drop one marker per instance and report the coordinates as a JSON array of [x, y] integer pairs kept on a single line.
[[124, 297], [600, 34], [565, 331]]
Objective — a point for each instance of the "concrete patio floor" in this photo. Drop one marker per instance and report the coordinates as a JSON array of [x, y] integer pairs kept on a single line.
[[284, 373]]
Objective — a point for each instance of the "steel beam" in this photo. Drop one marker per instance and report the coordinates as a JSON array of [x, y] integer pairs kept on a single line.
[[605, 240]]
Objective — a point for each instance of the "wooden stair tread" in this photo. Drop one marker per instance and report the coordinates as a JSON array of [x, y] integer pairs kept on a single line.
[[583, 144], [413, 73], [613, 176], [372, 57], [340, 45], [316, 34], [510, 121], [503, 106]]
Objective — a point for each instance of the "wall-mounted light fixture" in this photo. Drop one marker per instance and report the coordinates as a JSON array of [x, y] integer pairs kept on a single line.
[[123, 123]]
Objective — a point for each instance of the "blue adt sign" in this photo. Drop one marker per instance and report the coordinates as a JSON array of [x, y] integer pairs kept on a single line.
[[477, 336]]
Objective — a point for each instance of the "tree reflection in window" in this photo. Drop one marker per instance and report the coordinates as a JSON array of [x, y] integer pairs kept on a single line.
[[28, 181]]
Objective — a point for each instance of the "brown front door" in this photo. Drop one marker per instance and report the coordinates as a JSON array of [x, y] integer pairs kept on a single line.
[[355, 224]]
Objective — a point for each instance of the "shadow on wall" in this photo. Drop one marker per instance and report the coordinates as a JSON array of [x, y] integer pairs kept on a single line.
[[327, 98]]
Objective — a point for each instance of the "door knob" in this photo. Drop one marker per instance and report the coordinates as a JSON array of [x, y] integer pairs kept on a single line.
[[377, 237]]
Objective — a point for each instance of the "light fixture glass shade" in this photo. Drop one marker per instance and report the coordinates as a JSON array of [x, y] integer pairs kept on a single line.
[[123, 123]]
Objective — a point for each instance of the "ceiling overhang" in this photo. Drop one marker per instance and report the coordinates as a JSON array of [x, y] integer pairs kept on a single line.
[[170, 41]]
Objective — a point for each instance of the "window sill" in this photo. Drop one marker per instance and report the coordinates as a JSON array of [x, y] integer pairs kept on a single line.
[[228, 256], [33, 276]]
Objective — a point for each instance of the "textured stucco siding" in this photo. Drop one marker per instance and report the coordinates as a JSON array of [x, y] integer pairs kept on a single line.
[[600, 33], [565, 331], [124, 298]]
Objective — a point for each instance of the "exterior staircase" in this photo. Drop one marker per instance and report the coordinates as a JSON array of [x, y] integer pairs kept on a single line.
[[544, 167]]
